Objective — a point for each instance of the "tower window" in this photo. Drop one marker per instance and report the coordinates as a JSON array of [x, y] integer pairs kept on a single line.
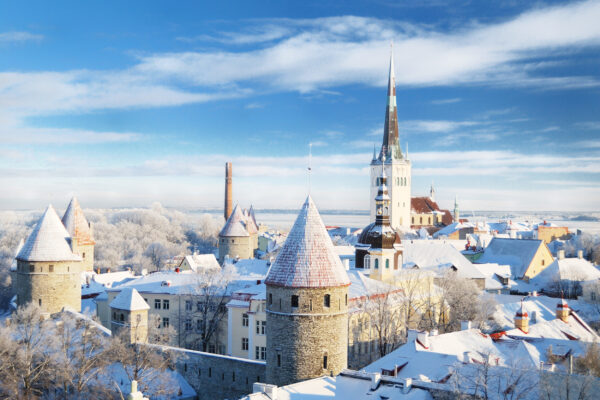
[[279, 360], [294, 301], [83, 255], [122, 317], [346, 299], [376, 263], [50, 268], [327, 300], [40, 302], [387, 264], [325, 361], [31, 268], [270, 298]]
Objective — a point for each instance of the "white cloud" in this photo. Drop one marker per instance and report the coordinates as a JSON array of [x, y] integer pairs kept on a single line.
[[446, 101], [14, 37]]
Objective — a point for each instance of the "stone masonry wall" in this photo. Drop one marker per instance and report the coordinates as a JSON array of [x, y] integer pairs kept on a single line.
[[51, 285], [235, 246], [217, 377], [299, 338]]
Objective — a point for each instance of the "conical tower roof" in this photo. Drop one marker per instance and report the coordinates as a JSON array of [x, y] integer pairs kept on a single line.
[[391, 146], [48, 241], [76, 223], [307, 258], [235, 225], [129, 300]]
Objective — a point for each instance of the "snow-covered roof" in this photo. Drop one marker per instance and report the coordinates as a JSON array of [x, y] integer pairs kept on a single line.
[[494, 273], [438, 255], [252, 268], [518, 253], [308, 257], [362, 286], [202, 261], [48, 241], [76, 223], [570, 269], [129, 299], [235, 225]]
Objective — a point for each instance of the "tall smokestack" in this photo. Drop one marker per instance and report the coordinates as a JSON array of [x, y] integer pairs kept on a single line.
[[228, 191]]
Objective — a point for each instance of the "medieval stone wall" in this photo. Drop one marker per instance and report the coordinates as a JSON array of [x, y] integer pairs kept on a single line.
[[217, 377], [299, 338], [241, 247], [51, 285]]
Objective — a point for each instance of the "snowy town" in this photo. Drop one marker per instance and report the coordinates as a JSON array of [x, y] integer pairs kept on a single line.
[[425, 300]]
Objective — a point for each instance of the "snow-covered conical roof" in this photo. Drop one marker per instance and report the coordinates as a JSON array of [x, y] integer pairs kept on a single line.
[[130, 300], [235, 225], [76, 223], [307, 258], [48, 241]]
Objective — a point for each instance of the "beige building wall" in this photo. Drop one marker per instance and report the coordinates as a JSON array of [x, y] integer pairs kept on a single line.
[[176, 316], [422, 219], [399, 188], [134, 322], [550, 233], [540, 261], [50, 285], [86, 251], [247, 328]]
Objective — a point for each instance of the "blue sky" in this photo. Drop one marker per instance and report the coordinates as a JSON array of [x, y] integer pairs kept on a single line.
[[124, 105]]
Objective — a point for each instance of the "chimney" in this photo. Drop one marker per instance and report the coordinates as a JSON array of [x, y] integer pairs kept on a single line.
[[579, 254], [228, 209], [375, 379], [423, 338], [269, 390], [561, 254], [562, 311], [465, 325], [522, 319]]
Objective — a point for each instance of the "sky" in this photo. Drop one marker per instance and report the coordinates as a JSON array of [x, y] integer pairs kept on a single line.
[[126, 104]]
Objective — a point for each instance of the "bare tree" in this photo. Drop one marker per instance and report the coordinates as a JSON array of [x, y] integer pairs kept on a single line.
[[147, 363], [205, 306], [82, 355], [27, 354]]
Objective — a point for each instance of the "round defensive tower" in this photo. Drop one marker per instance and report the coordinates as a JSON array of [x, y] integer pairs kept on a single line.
[[307, 305], [47, 269]]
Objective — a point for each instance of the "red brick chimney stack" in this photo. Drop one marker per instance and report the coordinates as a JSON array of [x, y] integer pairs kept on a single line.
[[228, 209]]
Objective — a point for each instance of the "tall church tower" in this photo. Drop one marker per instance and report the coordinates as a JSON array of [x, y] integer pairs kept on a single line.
[[397, 167], [307, 305], [456, 212]]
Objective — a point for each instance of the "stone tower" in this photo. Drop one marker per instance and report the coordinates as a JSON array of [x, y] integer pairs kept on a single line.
[[397, 167], [379, 248], [307, 305], [47, 269], [82, 238], [239, 236], [129, 311], [456, 212]]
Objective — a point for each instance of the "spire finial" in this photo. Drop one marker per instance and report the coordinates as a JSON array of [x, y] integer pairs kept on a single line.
[[309, 165]]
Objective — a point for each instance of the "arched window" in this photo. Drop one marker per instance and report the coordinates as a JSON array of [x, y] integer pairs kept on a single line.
[[376, 263], [387, 264]]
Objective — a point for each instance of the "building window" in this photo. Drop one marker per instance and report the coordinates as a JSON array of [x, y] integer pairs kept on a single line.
[[165, 322], [543, 262], [346, 299], [376, 263], [270, 298], [244, 343], [261, 326], [209, 372], [114, 315], [157, 304], [122, 317], [244, 319], [387, 264], [327, 300], [212, 348], [83, 255], [367, 262], [279, 360], [261, 353], [593, 296], [50, 268], [188, 305], [40, 302], [294, 301], [199, 324], [199, 306], [31, 268], [166, 304], [325, 361], [188, 324]]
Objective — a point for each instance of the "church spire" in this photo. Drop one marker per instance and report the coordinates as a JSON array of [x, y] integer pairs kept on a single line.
[[390, 146]]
